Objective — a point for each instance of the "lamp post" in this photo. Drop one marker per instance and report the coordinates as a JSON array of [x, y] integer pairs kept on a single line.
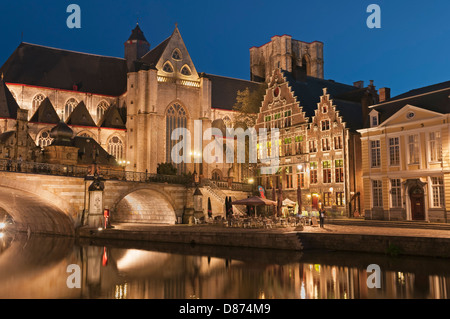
[[195, 156]]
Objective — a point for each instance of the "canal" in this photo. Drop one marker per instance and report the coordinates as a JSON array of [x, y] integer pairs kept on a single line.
[[43, 267]]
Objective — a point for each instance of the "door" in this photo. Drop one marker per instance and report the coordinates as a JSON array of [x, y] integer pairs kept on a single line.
[[315, 202], [417, 203]]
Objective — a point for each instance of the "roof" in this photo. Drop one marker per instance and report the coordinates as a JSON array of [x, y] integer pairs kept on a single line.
[[90, 149], [42, 66], [8, 105], [5, 136], [434, 98], [45, 113], [112, 119], [152, 57], [224, 90], [137, 34], [80, 116]]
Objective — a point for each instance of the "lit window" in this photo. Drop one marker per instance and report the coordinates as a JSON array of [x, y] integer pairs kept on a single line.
[[327, 199], [101, 109], [44, 139], [413, 147], [70, 105], [437, 186], [115, 148], [326, 166], [37, 100], [340, 198], [167, 68], [313, 172], [339, 170], [176, 118]]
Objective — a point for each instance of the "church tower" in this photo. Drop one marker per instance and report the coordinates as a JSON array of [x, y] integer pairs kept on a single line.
[[136, 46], [301, 58]]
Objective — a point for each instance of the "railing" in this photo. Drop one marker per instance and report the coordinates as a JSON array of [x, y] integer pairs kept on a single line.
[[234, 186], [84, 171]]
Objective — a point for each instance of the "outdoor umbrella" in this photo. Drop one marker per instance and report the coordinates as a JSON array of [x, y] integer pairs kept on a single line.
[[288, 202], [209, 208], [279, 201], [254, 201]]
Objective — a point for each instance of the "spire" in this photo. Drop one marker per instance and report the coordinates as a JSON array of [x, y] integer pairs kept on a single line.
[[137, 34]]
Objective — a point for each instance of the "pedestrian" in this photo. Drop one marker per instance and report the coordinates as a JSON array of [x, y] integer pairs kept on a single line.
[[19, 164], [322, 214]]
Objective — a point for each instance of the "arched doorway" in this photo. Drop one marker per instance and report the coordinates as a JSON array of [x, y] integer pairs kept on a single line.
[[417, 198], [216, 175]]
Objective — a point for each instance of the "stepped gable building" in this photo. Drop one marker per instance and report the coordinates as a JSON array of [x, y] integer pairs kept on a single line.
[[406, 156], [129, 106], [317, 119]]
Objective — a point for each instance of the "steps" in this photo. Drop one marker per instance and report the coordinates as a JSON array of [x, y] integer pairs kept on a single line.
[[385, 223]]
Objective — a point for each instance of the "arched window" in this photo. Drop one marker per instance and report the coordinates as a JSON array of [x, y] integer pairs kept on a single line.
[[44, 139], [186, 71], [37, 100], [168, 67], [227, 121], [176, 117], [86, 134], [69, 107], [216, 175], [101, 109], [115, 148], [176, 54]]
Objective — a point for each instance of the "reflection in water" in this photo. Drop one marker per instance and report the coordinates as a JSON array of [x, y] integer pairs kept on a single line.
[[36, 267]]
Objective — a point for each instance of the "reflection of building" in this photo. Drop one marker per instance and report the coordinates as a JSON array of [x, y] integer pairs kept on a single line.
[[406, 156], [317, 121]]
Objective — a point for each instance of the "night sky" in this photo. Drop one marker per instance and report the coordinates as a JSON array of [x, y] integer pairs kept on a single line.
[[411, 49]]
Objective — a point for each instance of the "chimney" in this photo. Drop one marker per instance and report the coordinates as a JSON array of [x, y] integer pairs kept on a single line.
[[358, 84], [385, 94]]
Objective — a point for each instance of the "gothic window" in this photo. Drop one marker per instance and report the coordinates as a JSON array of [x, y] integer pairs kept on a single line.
[[168, 67], [101, 109], [227, 121], [70, 105], [186, 71], [176, 54], [85, 134], [44, 139], [115, 148], [37, 100], [176, 117]]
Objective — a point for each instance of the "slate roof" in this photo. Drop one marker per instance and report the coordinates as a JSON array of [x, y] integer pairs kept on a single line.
[[224, 90], [45, 113], [137, 34], [8, 105], [42, 66], [87, 147], [152, 57], [80, 116], [434, 98], [347, 98], [5, 136], [112, 119]]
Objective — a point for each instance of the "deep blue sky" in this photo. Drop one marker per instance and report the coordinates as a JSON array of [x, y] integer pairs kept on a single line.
[[411, 49]]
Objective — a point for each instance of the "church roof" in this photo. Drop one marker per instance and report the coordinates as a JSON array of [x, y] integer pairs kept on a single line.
[[8, 105], [112, 119], [80, 116], [42, 66], [434, 98], [4, 137], [152, 57], [137, 34], [90, 149], [45, 113], [224, 90]]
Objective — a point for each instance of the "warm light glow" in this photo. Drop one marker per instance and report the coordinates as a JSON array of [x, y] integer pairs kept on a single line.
[[251, 180], [2, 235], [300, 166], [2, 225], [100, 228], [331, 189]]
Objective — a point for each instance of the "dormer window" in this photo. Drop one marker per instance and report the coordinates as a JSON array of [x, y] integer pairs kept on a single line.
[[168, 68], [374, 121], [176, 54], [185, 70]]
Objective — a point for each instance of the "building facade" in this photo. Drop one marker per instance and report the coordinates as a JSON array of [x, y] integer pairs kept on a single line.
[[405, 156]]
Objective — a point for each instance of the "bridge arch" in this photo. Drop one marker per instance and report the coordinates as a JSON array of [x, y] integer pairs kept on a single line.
[[144, 205]]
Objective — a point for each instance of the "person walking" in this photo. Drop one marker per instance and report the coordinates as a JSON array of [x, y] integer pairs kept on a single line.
[[322, 214], [19, 164]]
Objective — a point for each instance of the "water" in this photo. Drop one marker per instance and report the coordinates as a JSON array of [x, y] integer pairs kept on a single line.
[[36, 268]]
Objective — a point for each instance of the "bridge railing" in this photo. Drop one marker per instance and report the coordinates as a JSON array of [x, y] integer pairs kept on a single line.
[[9, 165]]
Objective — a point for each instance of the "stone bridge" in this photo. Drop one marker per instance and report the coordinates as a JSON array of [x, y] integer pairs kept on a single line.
[[59, 204]]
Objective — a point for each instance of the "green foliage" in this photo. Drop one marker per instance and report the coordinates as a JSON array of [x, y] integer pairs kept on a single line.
[[247, 106], [166, 169], [393, 250]]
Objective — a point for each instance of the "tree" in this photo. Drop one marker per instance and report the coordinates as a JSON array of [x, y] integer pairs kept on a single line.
[[247, 106], [166, 169]]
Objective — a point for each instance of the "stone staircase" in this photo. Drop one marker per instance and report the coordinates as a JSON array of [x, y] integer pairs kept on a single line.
[[220, 195], [386, 223]]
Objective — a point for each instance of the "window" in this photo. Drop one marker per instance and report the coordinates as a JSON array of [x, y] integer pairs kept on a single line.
[[301, 177], [394, 151], [375, 153], [176, 117], [339, 170], [299, 145], [37, 100], [413, 147], [325, 125], [324, 109], [227, 121], [289, 177], [101, 109], [287, 118], [338, 142], [287, 146], [185, 70], [176, 54], [70, 105], [377, 193], [437, 187], [312, 146], [115, 148], [44, 139], [326, 144], [326, 167], [435, 147], [327, 199], [313, 172], [374, 121], [167, 68], [340, 198], [396, 193]]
